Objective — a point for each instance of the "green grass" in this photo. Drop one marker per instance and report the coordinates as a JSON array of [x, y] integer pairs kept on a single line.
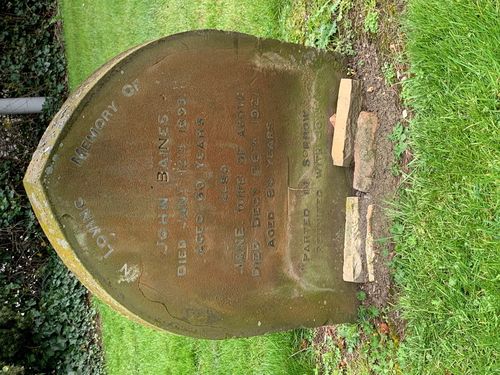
[[256, 17], [134, 349], [448, 228], [95, 31]]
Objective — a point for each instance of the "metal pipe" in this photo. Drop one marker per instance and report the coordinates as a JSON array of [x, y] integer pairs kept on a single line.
[[18, 106]]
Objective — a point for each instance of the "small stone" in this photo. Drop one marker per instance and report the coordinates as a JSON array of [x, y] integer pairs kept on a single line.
[[348, 107], [333, 119], [370, 254], [383, 328], [370, 89], [353, 266], [364, 151], [405, 113]]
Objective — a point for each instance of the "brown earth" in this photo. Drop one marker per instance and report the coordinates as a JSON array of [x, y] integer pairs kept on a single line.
[[373, 52]]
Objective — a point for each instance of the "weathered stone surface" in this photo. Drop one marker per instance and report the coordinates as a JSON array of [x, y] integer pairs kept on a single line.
[[188, 184], [348, 108], [369, 248], [353, 242], [364, 151]]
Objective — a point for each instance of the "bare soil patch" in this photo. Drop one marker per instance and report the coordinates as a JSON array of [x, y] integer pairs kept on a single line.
[[378, 56], [373, 53]]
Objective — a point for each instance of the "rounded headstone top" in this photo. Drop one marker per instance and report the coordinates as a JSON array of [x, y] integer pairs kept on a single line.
[[188, 184]]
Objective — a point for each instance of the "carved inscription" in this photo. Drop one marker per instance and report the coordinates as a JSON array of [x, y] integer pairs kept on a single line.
[[162, 224], [224, 182], [239, 249], [129, 274], [101, 238], [252, 188], [269, 144], [256, 258], [240, 114], [182, 124], [163, 149], [306, 139], [181, 258], [82, 152], [200, 143], [200, 235]]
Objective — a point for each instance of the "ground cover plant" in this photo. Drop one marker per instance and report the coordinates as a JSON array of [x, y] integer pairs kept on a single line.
[[46, 322]]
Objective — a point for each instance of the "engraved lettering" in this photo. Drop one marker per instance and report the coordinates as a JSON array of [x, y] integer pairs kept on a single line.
[[271, 232], [129, 273], [239, 250], [269, 144], [318, 162], [224, 181], [270, 188], [106, 115], [240, 114], [240, 156], [182, 162], [255, 158], [182, 124], [200, 143], [162, 143], [163, 119], [82, 152], [254, 104], [163, 174], [200, 235], [306, 238], [99, 124], [79, 203], [256, 258], [162, 230], [162, 234], [200, 190], [255, 220], [130, 89], [306, 139], [182, 208], [181, 258], [89, 222], [240, 193]]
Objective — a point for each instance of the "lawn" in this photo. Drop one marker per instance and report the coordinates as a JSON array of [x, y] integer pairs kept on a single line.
[[133, 349], [95, 31], [447, 234]]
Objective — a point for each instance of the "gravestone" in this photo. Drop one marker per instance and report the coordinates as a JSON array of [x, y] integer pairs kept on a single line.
[[188, 183]]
